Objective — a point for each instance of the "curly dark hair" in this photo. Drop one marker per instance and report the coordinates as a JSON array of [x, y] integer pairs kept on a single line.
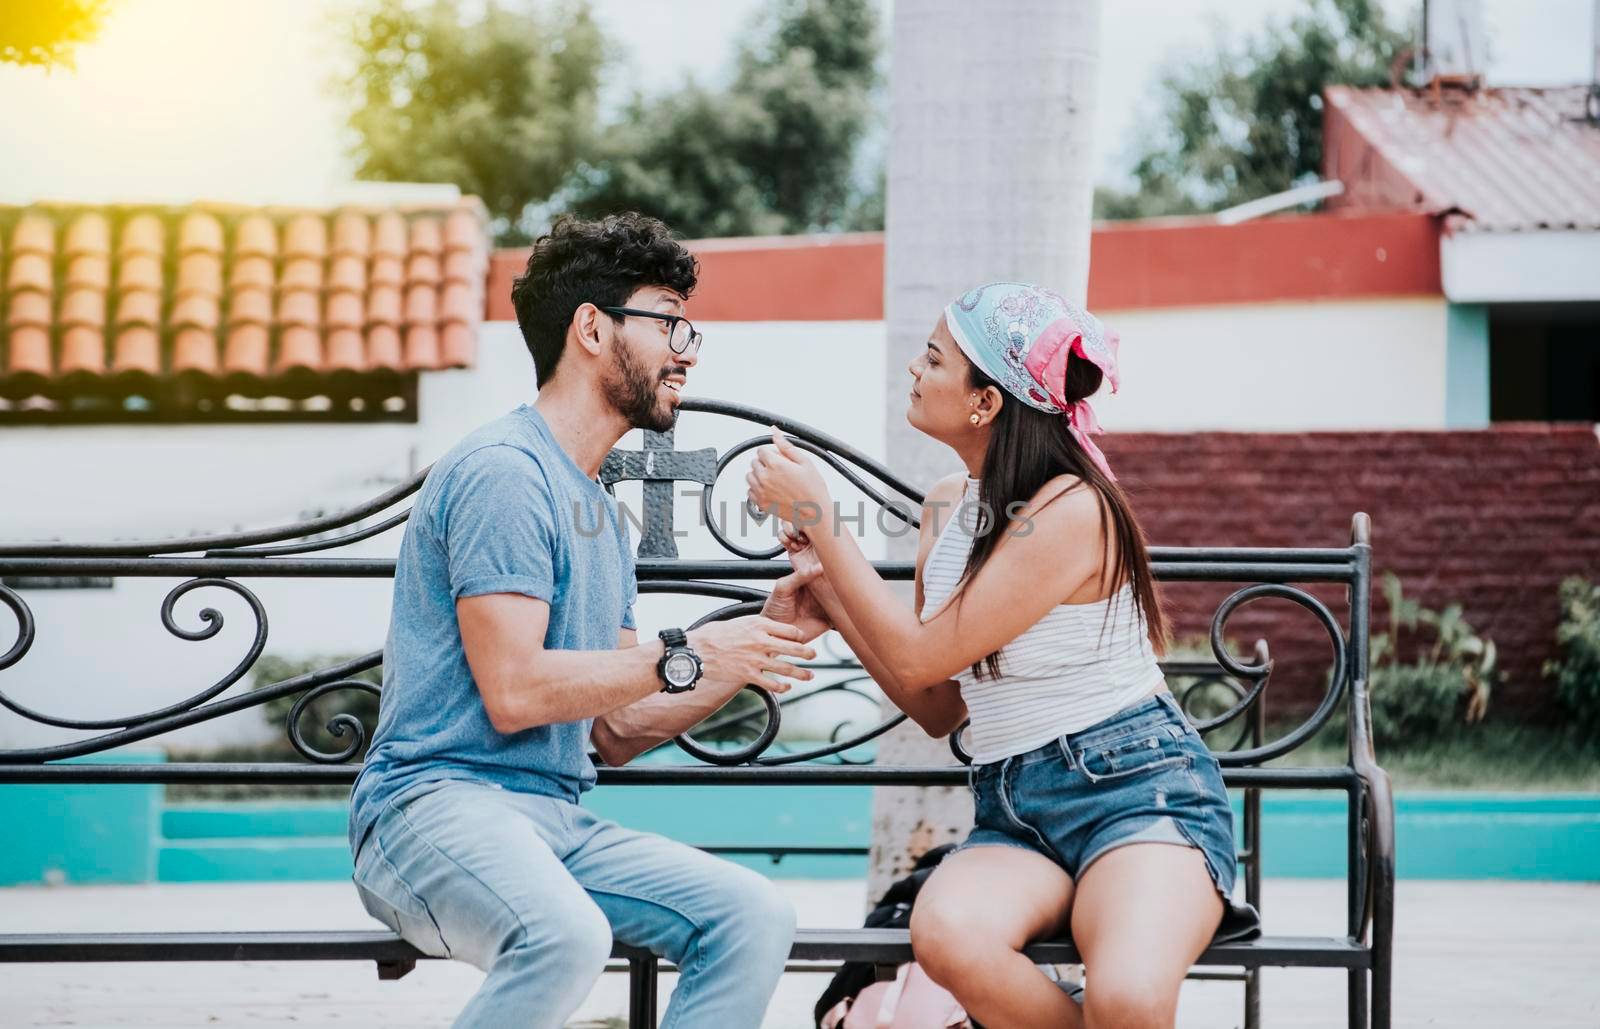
[[592, 262]]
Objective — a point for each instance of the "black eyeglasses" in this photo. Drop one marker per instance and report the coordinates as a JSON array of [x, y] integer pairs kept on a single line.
[[681, 336]]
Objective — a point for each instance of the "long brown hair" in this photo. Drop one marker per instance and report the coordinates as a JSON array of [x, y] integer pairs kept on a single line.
[[1028, 448]]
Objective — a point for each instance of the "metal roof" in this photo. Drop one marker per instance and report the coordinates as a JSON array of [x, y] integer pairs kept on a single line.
[[1498, 159]]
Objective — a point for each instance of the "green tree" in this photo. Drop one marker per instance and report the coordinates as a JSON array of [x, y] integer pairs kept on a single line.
[[498, 99], [773, 152], [45, 33], [1246, 122]]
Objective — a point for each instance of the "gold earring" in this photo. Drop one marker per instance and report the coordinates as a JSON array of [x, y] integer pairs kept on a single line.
[[975, 419]]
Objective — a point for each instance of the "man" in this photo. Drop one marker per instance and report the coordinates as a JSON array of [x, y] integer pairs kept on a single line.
[[512, 650]]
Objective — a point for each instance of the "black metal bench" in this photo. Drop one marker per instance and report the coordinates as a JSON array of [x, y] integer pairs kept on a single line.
[[1364, 948]]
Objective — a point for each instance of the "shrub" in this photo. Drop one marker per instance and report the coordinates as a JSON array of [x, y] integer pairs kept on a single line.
[[1444, 687], [1577, 672]]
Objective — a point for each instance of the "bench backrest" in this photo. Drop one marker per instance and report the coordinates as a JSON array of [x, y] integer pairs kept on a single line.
[[310, 549]]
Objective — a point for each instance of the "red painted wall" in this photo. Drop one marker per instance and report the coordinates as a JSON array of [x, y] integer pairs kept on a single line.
[[1143, 264], [1492, 519]]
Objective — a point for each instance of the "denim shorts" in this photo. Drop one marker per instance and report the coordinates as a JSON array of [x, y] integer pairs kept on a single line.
[[1140, 776]]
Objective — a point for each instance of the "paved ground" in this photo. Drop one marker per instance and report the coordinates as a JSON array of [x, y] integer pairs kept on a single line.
[[1470, 954]]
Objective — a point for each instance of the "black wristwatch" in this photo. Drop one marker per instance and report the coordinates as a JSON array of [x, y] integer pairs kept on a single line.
[[679, 667]]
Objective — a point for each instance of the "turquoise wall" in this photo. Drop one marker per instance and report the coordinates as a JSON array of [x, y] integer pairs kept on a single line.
[[81, 834], [1466, 399], [124, 834]]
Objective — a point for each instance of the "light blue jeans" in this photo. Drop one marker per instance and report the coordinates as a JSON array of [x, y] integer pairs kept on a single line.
[[533, 890]]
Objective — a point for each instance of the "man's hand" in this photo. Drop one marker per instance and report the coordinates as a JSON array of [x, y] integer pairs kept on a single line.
[[793, 601], [751, 650]]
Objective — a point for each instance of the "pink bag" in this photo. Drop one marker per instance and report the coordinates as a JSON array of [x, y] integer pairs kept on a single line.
[[911, 1001]]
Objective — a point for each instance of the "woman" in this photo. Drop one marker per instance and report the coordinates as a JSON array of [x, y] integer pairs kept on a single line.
[[1098, 809]]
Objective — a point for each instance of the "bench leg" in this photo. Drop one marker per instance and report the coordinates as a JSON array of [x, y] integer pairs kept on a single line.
[[1382, 989], [389, 970], [1252, 998], [1357, 1000], [642, 975]]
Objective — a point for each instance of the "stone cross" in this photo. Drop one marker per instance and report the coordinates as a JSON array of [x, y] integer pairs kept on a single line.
[[659, 466]]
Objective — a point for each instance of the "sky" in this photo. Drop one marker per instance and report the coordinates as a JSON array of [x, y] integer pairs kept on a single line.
[[180, 100]]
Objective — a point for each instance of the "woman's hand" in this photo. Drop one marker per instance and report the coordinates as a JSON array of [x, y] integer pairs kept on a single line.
[[784, 482], [807, 565]]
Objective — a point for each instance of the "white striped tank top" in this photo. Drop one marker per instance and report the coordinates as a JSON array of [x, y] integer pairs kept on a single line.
[[1060, 676]]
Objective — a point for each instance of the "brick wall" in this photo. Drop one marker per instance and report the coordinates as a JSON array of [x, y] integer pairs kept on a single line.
[[1491, 519]]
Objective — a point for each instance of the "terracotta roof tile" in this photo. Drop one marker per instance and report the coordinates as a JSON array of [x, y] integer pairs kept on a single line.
[[301, 273], [383, 347], [82, 308], [246, 350], [195, 311], [387, 271], [252, 272], [458, 303], [250, 307], [422, 305], [299, 346], [389, 235], [29, 309], [255, 236], [461, 232], [194, 349], [199, 232], [298, 307], [29, 351], [423, 268], [345, 349], [138, 307], [143, 234], [35, 234], [352, 234], [29, 271], [91, 271], [348, 272], [258, 300], [83, 351], [458, 344], [426, 236], [462, 265], [200, 272], [344, 311], [89, 233], [422, 346], [138, 350], [139, 271], [306, 236], [383, 305]]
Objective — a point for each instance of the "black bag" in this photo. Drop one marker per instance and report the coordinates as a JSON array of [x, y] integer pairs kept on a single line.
[[893, 911]]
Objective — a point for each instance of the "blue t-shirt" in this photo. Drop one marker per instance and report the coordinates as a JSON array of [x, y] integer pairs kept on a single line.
[[505, 511]]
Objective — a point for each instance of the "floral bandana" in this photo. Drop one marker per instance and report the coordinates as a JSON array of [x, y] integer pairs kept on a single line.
[[1022, 335]]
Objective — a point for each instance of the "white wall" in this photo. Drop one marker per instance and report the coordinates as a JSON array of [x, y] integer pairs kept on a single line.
[[104, 653], [1359, 364]]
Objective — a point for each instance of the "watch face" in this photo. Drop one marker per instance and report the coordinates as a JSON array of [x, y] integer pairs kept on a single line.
[[680, 669]]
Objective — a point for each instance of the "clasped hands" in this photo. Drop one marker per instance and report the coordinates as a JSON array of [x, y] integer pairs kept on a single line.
[[784, 482]]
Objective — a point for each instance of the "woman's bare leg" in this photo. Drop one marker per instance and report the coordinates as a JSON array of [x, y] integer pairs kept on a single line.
[[1142, 914], [972, 919]]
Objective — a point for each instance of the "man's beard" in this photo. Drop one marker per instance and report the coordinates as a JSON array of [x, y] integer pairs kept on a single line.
[[634, 389]]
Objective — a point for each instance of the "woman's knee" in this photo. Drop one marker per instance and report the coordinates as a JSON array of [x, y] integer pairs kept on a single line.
[[1124, 998], [948, 940]]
